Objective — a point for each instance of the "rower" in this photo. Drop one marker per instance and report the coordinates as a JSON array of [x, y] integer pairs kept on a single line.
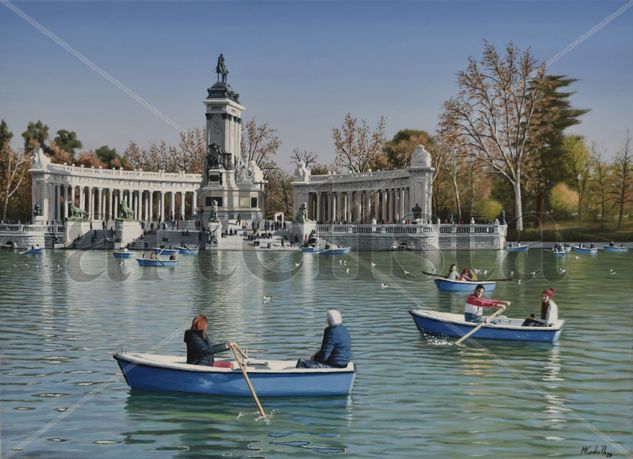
[[473, 310]]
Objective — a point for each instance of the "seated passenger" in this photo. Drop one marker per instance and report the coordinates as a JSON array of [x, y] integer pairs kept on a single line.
[[549, 312], [172, 257], [336, 348], [465, 275], [152, 256], [199, 350], [452, 273], [473, 310]]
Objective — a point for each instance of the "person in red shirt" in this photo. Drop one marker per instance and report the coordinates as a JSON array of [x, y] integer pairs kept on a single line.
[[475, 304]]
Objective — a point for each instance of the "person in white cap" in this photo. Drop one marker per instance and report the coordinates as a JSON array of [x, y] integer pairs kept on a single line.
[[336, 348]]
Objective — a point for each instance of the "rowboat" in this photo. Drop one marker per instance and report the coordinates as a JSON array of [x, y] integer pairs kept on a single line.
[[559, 252], [454, 325], [518, 248], [124, 253], [448, 285], [270, 378], [589, 250], [610, 248], [187, 251], [159, 251], [312, 249], [336, 251], [33, 251], [157, 262]]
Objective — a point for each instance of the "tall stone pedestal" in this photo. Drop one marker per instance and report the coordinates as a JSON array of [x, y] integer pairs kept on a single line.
[[126, 231]]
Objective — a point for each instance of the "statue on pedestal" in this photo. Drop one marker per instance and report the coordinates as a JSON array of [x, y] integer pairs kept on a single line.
[[213, 214], [302, 172], [37, 210], [76, 214], [221, 69], [417, 212], [302, 214], [125, 213], [255, 173]]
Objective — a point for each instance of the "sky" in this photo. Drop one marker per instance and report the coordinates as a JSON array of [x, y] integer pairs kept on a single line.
[[299, 66]]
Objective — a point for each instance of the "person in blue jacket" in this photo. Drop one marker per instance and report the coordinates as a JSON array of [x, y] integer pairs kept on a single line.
[[336, 348]]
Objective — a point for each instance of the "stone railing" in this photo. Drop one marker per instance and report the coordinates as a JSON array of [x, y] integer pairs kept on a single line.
[[377, 175], [413, 229], [81, 171], [32, 228], [474, 228]]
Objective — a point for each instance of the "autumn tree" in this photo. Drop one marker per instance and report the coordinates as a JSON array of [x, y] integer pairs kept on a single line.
[[396, 153], [278, 192], [14, 166], [579, 166], [356, 145], [67, 141], [5, 134], [191, 151], [563, 198], [88, 159], [260, 144], [493, 111], [35, 136], [600, 180], [621, 190]]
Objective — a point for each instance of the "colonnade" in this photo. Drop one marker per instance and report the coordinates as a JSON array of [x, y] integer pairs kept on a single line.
[[391, 205], [103, 203]]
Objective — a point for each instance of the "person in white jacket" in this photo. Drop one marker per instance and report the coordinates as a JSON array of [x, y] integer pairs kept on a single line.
[[549, 311]]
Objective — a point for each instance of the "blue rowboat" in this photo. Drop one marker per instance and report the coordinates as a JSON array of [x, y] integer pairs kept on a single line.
[[608, 248], [187, 251], [589, 250], [33, 251], [454, 325], [157, 263], [311, 249], [122, 254], [518, 248], [336, 251], [270, 378], [447, 285], [159, 251]]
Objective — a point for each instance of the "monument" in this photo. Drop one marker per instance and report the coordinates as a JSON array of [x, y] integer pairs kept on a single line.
[[232, 188]]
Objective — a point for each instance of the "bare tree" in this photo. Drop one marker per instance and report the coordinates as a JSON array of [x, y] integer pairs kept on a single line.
[[309, 158], [492, 114], [621, 191], [191, 150], [260, 144], [14, 168], [356, 146], [600, 179]]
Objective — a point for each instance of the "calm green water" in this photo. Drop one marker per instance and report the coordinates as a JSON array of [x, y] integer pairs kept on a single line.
[[63, 397]]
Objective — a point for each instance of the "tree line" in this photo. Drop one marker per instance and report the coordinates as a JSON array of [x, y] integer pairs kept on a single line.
[[501, 145]]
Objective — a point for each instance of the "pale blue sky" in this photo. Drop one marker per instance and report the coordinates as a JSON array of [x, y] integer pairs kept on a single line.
[[300, 66]]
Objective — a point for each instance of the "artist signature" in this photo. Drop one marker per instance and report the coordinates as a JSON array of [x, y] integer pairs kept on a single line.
[[596, 450]]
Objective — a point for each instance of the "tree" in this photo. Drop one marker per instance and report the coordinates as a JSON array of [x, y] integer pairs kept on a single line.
[[308, 157], [191, 151], [355, 145], [564, 199], [35, 136], [397, 152], [14, 168], [278, 192], [579, 160], [89, 159], [493, 112], [260, 144], [67, 141], [621, 190], [5, 134], [107, 156], [488, 208], [600, 180], [553, 114]]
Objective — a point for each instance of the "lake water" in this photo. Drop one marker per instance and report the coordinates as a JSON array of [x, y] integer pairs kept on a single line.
[[63, 396]]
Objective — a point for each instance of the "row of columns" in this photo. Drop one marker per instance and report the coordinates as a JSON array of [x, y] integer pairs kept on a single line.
[[362, 206], [103, 203]]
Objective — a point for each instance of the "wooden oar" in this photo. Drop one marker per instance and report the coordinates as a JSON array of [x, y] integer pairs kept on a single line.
[[235, 349], [432, 274], [474, 330]]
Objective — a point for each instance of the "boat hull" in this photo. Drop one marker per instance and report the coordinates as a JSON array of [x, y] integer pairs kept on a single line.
[[230, 382], [428, 322], [312, 249], [187, 251], [523, 248], [122, 254], [36, 251], [585, 250], [166, 252], [336, 251], [447, 285], [157, 263], [615, 249]]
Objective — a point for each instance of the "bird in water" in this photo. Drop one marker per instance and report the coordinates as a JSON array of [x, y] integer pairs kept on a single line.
[[562, 270], [59, 267], [347, 271], [611, 271], [373, 264], [406, 273], [519, 282], [297, 265], [383, 285], [266, 299]]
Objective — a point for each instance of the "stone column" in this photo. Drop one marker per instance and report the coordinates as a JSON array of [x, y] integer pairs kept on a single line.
[[376, 204], [402, 210], [88, 203], [109, 212], [367, 206], [318, 206], [181, 212], [194, 206], [116, 201], [359, 208], [161, 206], [172, 204], [65, 202]]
